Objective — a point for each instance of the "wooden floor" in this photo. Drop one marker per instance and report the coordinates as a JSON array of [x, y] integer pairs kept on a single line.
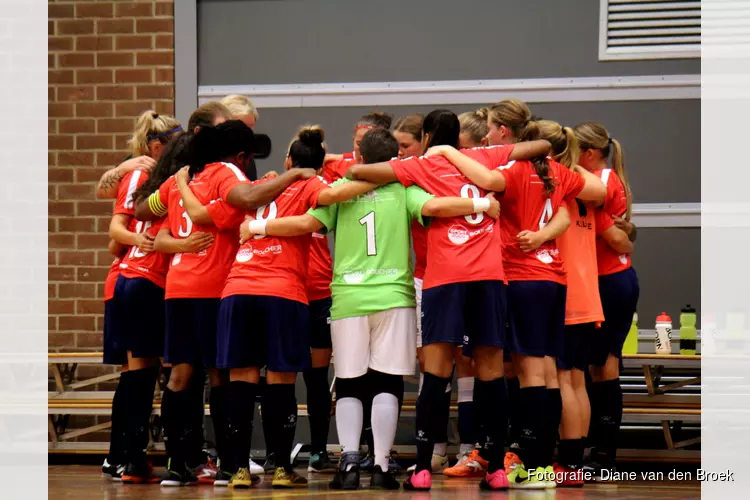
[[85, 482]]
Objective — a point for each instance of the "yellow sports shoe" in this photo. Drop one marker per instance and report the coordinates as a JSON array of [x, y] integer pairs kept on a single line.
[[241, 479], [284, 479], [549, 477], [520, 478]]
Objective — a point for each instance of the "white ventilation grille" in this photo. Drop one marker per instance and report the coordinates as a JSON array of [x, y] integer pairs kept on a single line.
[[649, 29]]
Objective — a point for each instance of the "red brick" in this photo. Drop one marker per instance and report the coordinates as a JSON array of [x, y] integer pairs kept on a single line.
[[75, 159], [94, 208], [52, 324], [58, 11], [134, 76], [89, 174], [76, 258], [51, 290], [52, 195], [77, 290], [51, 258], [100, 326], [76, 323], [60, 76], [134, 9], [95, 274], [161, 58], [102, 224], [58, 109], [57, 43], [76, 60], [115, 26], [51, 126], [164, 42], [90, 307], [94, 76], [61, 273], [164, 8], [117, 93], [92, 241], [63, 142], [51, 225], [114, 125], [112, 59], [52, 158], [84, 142], [95, 43], [130, 42], [75, 27], [51, 61], [94, 109], [104, 258], [95, 9], [110, 159], [60, 241], [77, 126], [121, 141], [56, 340], [89, 339], [76, 224], [154, 25], [164, 75], [81, 93], [51, 94], [51, 28], [76, 191], [60, 208], [164, 107], [155, 92], [131, 109]]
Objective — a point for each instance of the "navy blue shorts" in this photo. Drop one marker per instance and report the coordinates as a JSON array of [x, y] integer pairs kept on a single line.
[[576, 346], [191, 331], [470, 314], [619, 293], [112, 355], [258, 330], [320, 323], [536, 312], [140, 314]]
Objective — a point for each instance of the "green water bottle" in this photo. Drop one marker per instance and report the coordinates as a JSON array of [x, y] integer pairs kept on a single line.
[[687, 331], [631, 341]]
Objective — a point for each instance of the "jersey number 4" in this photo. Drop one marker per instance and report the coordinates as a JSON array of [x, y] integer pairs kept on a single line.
[[546, 214], [369, 222]]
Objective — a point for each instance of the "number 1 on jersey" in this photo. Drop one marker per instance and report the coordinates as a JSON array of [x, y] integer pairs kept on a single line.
[[369, 222]]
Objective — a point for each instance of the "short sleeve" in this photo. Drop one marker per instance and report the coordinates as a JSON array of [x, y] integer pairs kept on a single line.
[[571, 183], [602, 221], [335, 169], [228, 178], [132, 181], [493, 156], [313, 187], [416, 197], [510, 172], [326, 215], [405, 169], [224, 216]]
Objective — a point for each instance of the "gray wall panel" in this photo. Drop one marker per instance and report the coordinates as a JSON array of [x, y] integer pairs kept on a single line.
[[288, 41], [661, 139]]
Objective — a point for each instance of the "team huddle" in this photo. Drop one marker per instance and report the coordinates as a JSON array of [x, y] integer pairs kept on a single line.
[[520, 284]]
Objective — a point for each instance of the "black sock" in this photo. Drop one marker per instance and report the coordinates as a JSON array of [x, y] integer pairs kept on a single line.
[[176, 416], [367, 417], [429, 404], [554, 413], [571, 453], [219, 404], [266, 420], [608, 421], [283, 410], [140, 400], [514, 407], [119, 417], [532, 428], [169, 420], [241, 408], [491, 400], [197, 408], [443, 417], [466, 428], [318, 407]]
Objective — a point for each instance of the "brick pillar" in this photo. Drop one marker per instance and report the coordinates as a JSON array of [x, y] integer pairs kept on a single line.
[[108, 62]]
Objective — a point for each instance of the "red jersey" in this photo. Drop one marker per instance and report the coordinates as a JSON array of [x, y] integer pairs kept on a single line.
[[336, 169], [524, 206], [610, 261], [319, 269], [136, 264], [419, 244], [577, 248], [272, 266], [202, 274], [349, 156], [109, 282], [459, 249], [123, 205]]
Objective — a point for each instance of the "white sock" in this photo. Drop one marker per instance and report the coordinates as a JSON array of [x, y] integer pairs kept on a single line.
[[421, 381], [349, 415], [465, 448], [384, 423], [440, 449]]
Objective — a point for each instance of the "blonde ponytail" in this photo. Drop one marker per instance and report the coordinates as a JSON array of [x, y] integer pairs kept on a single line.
[[618, 165], [149, 126]]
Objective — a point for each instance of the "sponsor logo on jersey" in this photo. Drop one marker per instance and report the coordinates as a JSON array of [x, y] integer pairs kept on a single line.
[[245, 254], [546, 256], [624, 259], [176, 259], [458, 235], [354, 277]]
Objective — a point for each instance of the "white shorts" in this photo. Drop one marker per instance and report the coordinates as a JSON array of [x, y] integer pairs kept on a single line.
[[384, 341], [418, 290]]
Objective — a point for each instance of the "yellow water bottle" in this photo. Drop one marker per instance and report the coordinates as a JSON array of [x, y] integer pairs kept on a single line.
[[688, 335], [631, 341]]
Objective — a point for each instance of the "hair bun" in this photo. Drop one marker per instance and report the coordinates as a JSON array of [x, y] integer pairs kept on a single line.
[[482, 113], [311, 136]]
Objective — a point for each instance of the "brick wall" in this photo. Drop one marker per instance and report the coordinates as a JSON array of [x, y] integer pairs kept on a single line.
[[108, 62]]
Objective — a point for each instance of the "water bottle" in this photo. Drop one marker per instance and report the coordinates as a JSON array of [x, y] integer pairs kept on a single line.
[[631, 341], [688, 335], [663, 334]]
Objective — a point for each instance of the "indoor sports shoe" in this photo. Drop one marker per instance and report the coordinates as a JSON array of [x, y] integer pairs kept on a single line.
[[347, 474], [565, 477], [592, 472], [270, 464], [549, 477], [178, 475], [256, 468], [498, 480], [243, 479], [383, 480], [438, 464], [367, 463], [416, 481], [510, 460], [319, 462], [470, 465], [287, 479], [520, 478], [222, 478], [206, 473], [141, 473], [112, 472]]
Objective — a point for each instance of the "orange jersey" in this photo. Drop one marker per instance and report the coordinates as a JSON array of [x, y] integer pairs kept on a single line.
[[202, 274], [419, 244], [319, 270], [615, 204], [136, 264], [459, 249], [577, 248], [336, 169], [272, 266], [524, 206]]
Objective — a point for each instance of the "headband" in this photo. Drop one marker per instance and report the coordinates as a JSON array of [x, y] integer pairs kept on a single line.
[[609, 140], [150, 138], [358, 127]]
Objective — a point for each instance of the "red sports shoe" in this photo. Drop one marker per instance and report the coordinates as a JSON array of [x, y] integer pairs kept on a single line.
[[566, 477]]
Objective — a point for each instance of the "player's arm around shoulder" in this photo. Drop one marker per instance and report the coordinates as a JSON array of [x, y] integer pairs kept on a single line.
[[344, 191], [284, 227]]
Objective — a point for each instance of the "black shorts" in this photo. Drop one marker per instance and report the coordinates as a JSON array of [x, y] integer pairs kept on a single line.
[[619, 293], [191, 331], [576, 346], [140, 315], [536, 312], [112, 354], [319, 323]]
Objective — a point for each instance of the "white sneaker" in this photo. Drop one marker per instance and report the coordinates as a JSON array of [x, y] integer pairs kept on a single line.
[[438, 464], [255, 468]]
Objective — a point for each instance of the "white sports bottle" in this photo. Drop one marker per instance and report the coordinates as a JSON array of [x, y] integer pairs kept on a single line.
[[663, 334]]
